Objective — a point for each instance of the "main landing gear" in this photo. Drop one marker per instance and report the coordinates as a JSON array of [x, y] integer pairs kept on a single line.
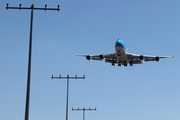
[[125, 64], [130, 63], [119, 64], [113, 64]]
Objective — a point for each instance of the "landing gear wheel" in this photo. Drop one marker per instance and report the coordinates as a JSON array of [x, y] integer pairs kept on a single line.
[[125, 65], [130, 64], [119, 64], [113, 64]]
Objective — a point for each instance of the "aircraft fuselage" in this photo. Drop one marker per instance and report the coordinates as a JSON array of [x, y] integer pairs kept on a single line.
[[120, 52]]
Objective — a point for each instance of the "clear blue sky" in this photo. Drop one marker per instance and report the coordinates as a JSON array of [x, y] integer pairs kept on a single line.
[[143, 92]]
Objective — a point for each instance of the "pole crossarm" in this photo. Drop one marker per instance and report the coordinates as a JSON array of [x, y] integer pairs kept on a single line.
[[84, 109], [67, 77], [32, 7]]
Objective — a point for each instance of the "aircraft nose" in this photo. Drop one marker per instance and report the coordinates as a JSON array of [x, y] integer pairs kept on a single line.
[[119, 43]]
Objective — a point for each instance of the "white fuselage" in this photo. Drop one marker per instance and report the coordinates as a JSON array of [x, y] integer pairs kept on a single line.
[[121, 54]]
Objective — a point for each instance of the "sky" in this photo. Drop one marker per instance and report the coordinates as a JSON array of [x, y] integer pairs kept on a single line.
[[149, 91]]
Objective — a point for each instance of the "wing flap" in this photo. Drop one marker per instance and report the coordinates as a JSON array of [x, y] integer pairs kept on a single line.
[[146, 57], [110, 60], [150, 59], [136, 62]]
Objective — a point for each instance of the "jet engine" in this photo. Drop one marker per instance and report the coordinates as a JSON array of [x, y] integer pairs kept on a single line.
[[141, 57], [101, 57], [88, 57], [157, 58]]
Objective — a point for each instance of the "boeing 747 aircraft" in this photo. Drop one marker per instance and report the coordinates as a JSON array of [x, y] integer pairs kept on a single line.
[[121, 57]]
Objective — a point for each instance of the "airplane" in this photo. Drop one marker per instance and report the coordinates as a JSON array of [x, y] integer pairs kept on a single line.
[[122, 57]]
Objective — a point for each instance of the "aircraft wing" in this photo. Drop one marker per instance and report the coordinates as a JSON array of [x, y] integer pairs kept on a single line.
[[98, 57], [132, 58], [145, 57]]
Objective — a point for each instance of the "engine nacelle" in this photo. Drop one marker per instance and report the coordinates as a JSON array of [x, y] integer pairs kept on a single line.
[[141, 57], [88, 57], [157, 58], [101, 57]]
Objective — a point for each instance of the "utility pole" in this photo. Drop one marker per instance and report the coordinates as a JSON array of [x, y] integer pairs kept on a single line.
[[32, 8], [67, 77], [84, 109]]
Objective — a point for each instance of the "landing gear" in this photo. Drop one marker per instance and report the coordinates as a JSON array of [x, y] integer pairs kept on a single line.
[[113, 62], [121, 63], [130, 63], [125, 64]]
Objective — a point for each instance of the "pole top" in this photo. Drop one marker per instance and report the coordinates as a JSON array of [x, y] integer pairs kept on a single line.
[[32, 7], [68, 77], [7, 6]]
